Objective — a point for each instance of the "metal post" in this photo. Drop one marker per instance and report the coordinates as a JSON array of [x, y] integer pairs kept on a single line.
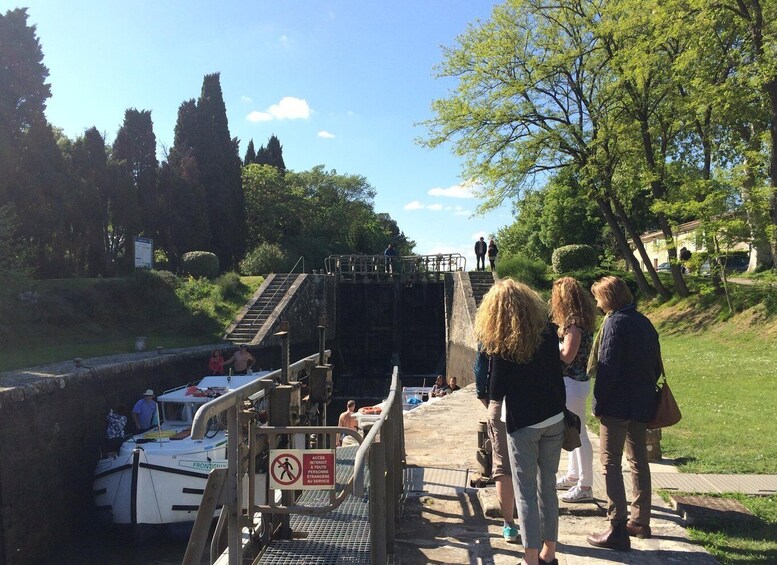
[[233, 488], [321, 340], [388, 437], [284, 335], [377, 493], [399, 454]]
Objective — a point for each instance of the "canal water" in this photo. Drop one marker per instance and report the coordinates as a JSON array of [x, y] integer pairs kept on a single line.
[[105, 546]]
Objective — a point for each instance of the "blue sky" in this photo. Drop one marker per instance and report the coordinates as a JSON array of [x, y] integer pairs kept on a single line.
[[340, 83]]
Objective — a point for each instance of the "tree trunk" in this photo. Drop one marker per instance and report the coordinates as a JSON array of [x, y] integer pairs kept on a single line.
[[771, 89], [623, 245], [659, 286]]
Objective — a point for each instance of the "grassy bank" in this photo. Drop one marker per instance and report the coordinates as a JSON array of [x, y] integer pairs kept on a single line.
[[48, 321]]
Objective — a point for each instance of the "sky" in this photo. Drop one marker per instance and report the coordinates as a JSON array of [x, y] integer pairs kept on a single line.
[[341, 83]]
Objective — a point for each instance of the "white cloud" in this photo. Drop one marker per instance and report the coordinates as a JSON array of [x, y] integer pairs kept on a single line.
[[245, 98], [435, 207], [461, 190], [476, 236], [325, 134], [414, 205], [289, 108]]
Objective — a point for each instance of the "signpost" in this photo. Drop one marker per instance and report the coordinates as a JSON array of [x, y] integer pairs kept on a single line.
[[144, 253], [302, 469]]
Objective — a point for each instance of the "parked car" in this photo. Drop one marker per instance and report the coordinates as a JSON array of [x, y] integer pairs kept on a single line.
[[733, 263], [664, 268]]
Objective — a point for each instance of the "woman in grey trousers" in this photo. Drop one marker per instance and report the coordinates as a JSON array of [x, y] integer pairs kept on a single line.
[[513, 328]]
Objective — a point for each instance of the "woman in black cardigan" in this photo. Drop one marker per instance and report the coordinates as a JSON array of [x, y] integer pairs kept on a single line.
[[513, 328], [627, 360]]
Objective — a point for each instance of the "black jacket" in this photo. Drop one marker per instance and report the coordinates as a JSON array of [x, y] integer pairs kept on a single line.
[[628, 368], [480, 247], [533, 391]]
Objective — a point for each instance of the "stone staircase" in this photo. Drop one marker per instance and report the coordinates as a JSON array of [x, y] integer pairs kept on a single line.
[[481, 282], [250, 320]]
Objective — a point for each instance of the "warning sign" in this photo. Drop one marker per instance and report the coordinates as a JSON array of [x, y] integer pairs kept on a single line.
[[302, 469]]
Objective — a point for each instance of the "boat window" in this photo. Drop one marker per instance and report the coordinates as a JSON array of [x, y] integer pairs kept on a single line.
[[174, 412]]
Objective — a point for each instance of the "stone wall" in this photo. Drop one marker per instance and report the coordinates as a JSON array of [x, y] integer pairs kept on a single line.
[[52, 420], [460, 317]]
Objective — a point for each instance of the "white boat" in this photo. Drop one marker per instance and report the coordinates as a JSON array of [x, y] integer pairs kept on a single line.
[[158, 477]]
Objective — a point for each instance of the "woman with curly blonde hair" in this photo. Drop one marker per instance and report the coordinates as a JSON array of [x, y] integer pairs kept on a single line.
[[512, 326], [573, 311]]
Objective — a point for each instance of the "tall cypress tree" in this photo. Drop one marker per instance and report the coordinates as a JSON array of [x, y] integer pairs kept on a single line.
[[250, 154], [135, 144], [275, 154], [219, 164]]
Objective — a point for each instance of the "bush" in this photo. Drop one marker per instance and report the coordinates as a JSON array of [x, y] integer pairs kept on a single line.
[[574, 258], [587, 277], [529, 271], [200, 264], [229, 286], [161, 260], [263, 259]]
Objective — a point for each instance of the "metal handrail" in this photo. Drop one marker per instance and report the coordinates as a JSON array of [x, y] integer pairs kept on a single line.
[[361, 454], [277, 290], [256, 388], [401, 264]]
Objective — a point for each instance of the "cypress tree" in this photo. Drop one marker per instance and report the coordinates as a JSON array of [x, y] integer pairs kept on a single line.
[[275, 154], [250, 154]]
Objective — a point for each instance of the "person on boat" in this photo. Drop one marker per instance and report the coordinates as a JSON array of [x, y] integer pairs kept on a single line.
[[452, 384], [144, 413], [115, 429], [216, 363], [440, 387], [241, 360], [347, 420]]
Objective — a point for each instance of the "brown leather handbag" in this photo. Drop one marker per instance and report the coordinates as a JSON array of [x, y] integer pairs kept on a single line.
[[667, 412]]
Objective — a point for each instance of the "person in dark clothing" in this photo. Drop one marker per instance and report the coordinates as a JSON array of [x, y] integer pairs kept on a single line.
[[389, 254], [512, 326], [493, 250], [480, 254], [626, 358]]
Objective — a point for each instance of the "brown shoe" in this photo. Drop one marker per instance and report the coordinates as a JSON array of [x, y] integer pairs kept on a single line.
[[638, 530], [615, 538]]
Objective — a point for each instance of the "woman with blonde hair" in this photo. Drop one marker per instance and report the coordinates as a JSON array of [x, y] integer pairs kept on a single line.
[[513, 328], [627, 358], [573, 311]]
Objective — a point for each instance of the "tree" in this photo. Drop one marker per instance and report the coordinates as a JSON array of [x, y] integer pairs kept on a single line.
[[533, 97], [219, 166], [24, 90], [135, 145], [250, 154]]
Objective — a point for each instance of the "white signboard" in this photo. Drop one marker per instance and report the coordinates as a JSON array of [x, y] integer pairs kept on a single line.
[[302, 469], [144, 253]]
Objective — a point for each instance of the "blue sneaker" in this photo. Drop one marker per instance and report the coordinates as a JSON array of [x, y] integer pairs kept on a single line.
[[510, 533]]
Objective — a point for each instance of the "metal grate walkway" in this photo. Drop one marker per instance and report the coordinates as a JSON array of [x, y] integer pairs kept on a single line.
[[342, 536]]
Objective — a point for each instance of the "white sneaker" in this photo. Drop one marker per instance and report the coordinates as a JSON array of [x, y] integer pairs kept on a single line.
[[577, 494], [564, 483]]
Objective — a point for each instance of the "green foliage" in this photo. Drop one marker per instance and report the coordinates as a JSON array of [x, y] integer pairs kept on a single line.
[[265, 258], [574, 257], [200, 264], [587, 277], [529, 271], [229, 286], [161, 261]]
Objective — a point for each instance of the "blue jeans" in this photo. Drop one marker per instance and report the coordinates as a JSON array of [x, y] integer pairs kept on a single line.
[[534, 457]]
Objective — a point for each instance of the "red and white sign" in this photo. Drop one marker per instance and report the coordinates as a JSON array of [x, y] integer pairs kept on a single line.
[[302, 469]]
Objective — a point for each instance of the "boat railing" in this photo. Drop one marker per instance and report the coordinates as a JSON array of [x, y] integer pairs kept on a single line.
[[281, 288]]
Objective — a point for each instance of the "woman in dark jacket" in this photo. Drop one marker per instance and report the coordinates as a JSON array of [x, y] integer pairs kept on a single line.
[[512, 326], [627, 359]]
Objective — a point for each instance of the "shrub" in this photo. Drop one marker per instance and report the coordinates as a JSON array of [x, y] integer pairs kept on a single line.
[[263, 259], [229, 286], [573, 258], [529, 271], [200, 264], [161, 261], [587, 277]]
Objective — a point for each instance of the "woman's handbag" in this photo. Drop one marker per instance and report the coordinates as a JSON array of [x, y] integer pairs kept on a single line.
[[667, 412], [572, 430]]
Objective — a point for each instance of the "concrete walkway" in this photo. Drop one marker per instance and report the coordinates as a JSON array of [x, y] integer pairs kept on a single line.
[[444, 519]]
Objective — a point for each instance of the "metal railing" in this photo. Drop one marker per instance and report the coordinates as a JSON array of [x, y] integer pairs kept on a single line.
[[406, 266], [382, 452], [279, 289]]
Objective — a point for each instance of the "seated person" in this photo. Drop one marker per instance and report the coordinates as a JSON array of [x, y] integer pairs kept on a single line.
[[216, 363], [347, 420], [440, 387], [452, 384]]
